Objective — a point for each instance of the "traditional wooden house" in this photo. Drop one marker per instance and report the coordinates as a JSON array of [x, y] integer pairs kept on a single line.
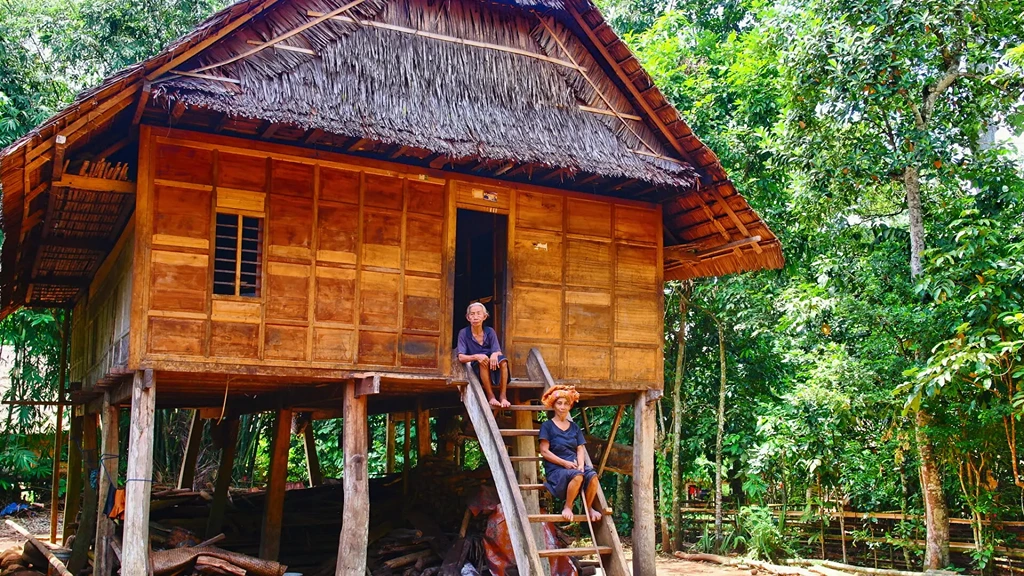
[[290, 207]]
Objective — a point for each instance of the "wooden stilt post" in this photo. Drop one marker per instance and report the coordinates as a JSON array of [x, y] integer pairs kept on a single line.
[[73, 488], [109, 454], [527, 472], [643, 486], [316, 478], [228, 431], [57, 437], [273, 509], [356, 508], [139, 480], [187, 474], [423, 446], [390, 444], [87, 525]]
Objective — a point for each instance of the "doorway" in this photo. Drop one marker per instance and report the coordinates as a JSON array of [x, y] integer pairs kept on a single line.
[[481, 257]]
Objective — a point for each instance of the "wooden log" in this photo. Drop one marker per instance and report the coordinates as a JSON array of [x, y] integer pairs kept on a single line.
[[423, 446], [87, 525], [139, 481], [611, 440], [644, 555], [214, 565], [73, 488], [316, 477], [55, 563], [187, 474], [355, 527], [109, 456], [220, 493], [58, 433], [273, 504], [850, 567], [389, 442]]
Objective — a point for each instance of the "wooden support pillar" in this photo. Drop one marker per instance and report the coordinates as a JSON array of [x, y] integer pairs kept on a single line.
[[227, 432], [87, 524], [187, 474], [423, 446], [527, 474], [389, 442], [316, 478], [73, 488], [273, 508], [109, 455], [139, 480], [355, 527], [643, 485], [58, 434]]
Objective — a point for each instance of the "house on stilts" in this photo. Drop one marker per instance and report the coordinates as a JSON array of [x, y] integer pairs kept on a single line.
[[290, 208]]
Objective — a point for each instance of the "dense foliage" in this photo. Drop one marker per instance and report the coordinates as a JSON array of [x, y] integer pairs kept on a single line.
[[831, 117]]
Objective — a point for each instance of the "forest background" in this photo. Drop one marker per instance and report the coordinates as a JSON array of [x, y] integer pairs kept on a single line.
[[880, 370]]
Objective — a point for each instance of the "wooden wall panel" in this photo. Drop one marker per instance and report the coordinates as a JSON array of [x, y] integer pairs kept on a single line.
[[290, 227], [242, 171], [177, 335], [589, 317], [636, 268], [183, 164], [539, 211], [378, 348], [335, 295], [339, 185], [538, 256], [181, 213], [382, 239], [588, 263], [284, 342], [292, 179], [384, 191], [334, 345], [179, 281], [538, 312], [636, 317], [378, 305], [419, 351], [338, 232], [423, 244], [588, 363], [634, 224], [637, 367], [422, 304], [234, 339], [287, 291], [426, 198], [590, 218]]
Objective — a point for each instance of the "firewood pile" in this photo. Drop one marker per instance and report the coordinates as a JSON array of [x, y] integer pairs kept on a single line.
[[23, 561]]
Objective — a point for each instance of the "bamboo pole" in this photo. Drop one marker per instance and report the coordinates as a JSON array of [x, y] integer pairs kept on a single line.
[[57, 438]]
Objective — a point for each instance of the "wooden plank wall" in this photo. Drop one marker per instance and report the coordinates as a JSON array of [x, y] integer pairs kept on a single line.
[[100, 321], [352, 260], [586, 288]]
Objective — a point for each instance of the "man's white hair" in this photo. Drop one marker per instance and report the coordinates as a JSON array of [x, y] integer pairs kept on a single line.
[[482, 307]]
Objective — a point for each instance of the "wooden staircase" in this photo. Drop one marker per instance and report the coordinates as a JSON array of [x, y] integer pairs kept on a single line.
[[517, 481]]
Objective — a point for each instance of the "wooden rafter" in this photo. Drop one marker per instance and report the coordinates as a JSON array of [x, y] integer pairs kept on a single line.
[[604, 112], [682, 252], [206, 76], [281, 38], [287, 47], [717, 194], [452, 39]]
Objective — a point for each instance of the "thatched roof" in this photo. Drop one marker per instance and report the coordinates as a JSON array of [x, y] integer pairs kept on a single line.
[[538, 91]]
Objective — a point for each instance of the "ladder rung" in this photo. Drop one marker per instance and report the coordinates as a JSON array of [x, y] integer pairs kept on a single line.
[[525, 384], [531, 486], [575, 551], [520, 432], [526, 458], [522, 408], [556, 518]]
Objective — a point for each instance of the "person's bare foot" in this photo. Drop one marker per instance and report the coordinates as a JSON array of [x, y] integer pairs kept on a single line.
[[567, 514], [594, 515], [505, 403], [494, 402]]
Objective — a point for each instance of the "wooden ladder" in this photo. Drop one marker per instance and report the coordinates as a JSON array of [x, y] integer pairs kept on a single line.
[[517, 483]]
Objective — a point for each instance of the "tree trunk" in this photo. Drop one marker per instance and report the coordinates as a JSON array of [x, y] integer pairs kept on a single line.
[[660, 454], [912, 187], [936, 513], [677, 418], [718, 440]]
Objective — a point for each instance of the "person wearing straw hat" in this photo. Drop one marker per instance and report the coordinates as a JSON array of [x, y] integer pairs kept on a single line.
[[479, 347], [562, 446]]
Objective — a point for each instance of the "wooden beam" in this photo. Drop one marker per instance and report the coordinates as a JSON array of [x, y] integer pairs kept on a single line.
[[206, 76], [140, 104], [227, 431], [389, 443], [367, 385], [220, 32], [73, 488], [95, 184], [605, 112], [139, 481], [271, 130], [55, 563], [59, 143], [423, 446], [611, 440], [285, 47], [313, 136], [115, 104], [643, 486], [87, 524], [279, 39], [356, 504], [177, 111], [103, 564], [680, 252], [187, 473], [57, 437], [732, 215], [273, 508], [452, 39], [316, 477]]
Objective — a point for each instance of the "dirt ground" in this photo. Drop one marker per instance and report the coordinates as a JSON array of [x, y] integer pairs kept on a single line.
[[39, 525]]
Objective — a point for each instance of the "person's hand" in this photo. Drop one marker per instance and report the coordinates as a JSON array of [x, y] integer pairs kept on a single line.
[[494, 360], [480, 358], [569, 465], [580, 466]]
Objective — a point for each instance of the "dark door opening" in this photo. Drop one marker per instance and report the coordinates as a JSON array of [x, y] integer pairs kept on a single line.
[[481, 256]]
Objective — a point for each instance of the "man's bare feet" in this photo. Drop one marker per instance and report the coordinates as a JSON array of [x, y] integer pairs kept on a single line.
[[594, 515], [505, 403], [567, 513], [494, 402]]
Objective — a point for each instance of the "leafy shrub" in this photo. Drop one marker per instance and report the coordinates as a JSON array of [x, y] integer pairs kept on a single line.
[[763, 538]]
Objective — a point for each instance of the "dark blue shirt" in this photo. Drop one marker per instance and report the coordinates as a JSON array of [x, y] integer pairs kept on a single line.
[[469, 346], [562, 443]]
